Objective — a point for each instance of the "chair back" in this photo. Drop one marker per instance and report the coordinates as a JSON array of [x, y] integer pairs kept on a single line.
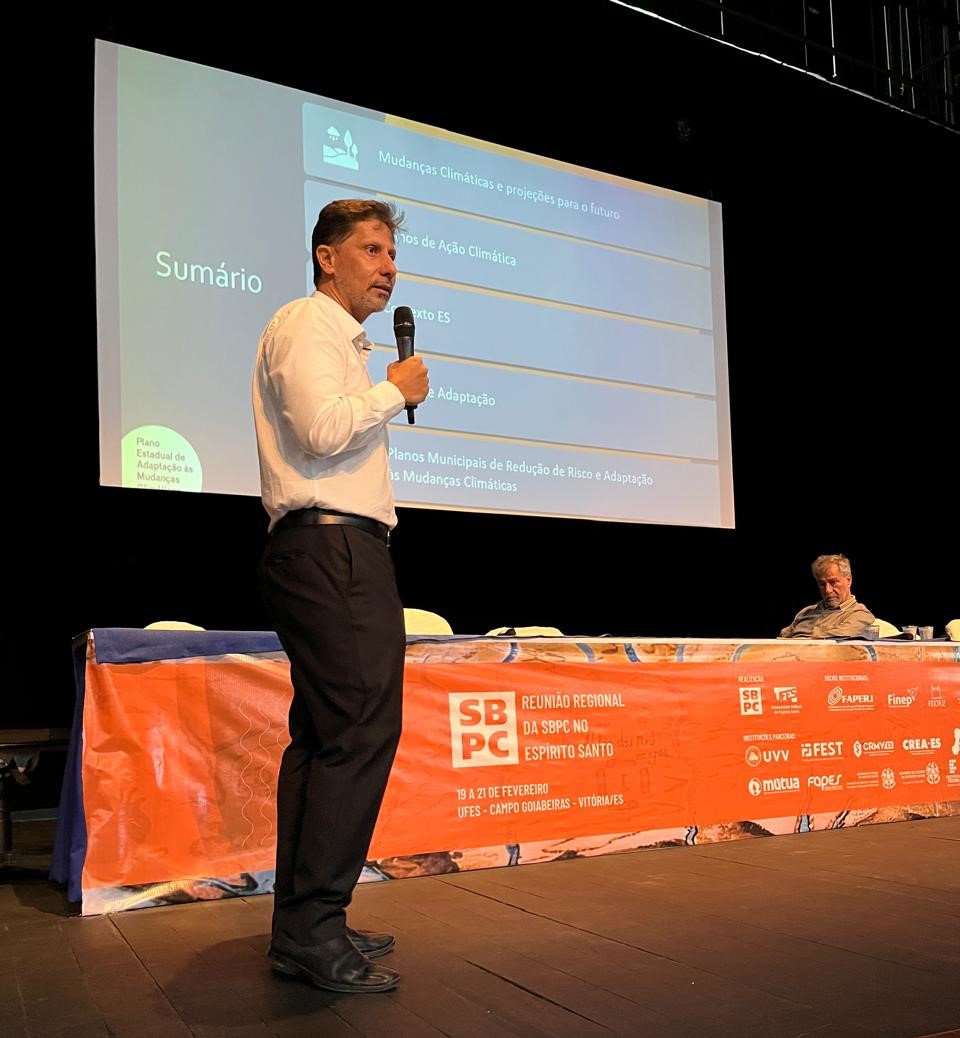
[[423, 621]]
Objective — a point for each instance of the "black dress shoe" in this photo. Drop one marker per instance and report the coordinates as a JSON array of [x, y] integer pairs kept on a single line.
[[335, 965], [372, 944]]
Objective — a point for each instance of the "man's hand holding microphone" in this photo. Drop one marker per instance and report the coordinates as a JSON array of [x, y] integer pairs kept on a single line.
[[409, 373]]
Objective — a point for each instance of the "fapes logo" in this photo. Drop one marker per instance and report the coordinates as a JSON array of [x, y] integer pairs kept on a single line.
[[483, 729]]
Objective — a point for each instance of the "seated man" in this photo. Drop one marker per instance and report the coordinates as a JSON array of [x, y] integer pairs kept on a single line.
[[838, 614]]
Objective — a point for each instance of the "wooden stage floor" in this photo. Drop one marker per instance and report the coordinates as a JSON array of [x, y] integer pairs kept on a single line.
[[851, 933]]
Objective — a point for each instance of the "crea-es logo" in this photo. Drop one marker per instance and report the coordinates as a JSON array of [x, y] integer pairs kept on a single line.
[[922, 745], [483, 729]]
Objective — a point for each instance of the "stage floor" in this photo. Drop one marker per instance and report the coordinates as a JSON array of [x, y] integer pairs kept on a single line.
[[839, 934]]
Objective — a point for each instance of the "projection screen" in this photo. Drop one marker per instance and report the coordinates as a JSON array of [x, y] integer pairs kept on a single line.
[[572, 321]]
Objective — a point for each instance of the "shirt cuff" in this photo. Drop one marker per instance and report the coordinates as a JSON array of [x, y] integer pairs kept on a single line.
[[387, 399]]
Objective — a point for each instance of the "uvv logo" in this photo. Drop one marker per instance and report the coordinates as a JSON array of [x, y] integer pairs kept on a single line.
[[483, 729]]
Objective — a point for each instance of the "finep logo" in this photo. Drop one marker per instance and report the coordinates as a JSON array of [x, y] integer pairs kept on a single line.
[[483, 729]]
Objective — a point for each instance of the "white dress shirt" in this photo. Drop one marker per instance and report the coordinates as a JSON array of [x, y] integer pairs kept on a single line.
[[321, 423]]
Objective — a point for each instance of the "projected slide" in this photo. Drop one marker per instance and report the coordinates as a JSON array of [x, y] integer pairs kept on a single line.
[[572, 322]]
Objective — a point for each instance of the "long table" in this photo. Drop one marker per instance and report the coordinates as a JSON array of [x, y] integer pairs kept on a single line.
[[514, 750]]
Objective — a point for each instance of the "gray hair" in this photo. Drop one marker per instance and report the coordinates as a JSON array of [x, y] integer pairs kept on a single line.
[[823, 562]]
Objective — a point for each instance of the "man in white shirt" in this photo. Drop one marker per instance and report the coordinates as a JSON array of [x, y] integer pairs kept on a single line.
[[329, 588]]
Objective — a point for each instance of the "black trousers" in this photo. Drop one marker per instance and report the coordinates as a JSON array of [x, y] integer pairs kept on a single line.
[[331, 594]]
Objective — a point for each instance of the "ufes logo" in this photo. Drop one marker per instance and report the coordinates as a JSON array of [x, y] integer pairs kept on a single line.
[[483, 729]]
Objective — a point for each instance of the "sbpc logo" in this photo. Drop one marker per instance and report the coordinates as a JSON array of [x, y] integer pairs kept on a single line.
[[483, 729]]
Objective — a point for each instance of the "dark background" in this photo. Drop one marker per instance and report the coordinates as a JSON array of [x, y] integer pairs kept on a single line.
[[839, 215]]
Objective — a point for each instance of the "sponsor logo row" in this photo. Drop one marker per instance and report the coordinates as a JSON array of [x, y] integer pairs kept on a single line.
[[787, 699], [886, 778], [834, 749]]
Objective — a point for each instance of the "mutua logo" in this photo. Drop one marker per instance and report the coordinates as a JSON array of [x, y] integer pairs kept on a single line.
[[902, 699], [782, 784], [755, 756]]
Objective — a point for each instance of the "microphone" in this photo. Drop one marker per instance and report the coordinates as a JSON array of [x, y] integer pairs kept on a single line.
[[404, 331]]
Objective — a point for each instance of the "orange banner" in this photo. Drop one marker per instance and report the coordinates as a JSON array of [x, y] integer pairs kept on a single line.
[[514, 752], [499, 754]]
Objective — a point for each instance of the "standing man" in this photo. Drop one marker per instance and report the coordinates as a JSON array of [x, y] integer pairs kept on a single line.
[[329, 588], [838, 614]]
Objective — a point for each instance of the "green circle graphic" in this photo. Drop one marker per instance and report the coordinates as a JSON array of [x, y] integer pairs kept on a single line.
[[157, 458]]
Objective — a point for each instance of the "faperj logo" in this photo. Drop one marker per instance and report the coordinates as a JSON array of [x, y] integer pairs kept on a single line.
[[483, 729], [837, 699]]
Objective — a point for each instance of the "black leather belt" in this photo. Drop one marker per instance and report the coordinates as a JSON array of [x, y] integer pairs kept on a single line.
[[325, 517]]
